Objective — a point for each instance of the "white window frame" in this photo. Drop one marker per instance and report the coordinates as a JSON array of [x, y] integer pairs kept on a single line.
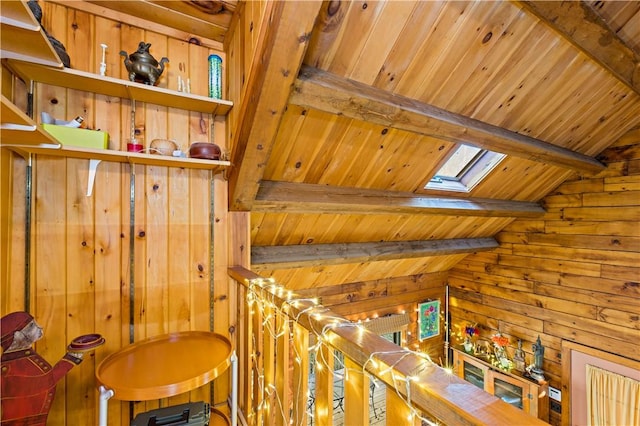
[[471, 174]]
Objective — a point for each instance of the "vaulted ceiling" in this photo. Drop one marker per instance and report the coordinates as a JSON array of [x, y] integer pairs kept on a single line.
[[372, 97]]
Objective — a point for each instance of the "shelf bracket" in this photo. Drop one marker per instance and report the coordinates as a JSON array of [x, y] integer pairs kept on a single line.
[[93, 166]]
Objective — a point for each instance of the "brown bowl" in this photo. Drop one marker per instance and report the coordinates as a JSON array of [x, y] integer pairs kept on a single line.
[[163, 147], [205, 150]]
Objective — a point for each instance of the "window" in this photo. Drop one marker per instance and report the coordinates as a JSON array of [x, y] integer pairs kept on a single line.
[[464, 169], [395, 337]]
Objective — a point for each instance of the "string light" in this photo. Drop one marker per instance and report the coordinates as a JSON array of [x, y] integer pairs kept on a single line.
[[261, 300]]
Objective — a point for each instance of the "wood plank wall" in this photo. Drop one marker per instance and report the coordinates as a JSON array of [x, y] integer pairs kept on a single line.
[[368, 300], [573, 275], [81, 274]]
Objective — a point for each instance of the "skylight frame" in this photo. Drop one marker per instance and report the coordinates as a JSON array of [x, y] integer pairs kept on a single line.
[[470, 175]]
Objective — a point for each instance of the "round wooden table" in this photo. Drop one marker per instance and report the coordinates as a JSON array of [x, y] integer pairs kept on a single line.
[[164, 366]]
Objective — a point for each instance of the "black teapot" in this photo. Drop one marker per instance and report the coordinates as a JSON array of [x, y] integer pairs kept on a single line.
[[143, 67]]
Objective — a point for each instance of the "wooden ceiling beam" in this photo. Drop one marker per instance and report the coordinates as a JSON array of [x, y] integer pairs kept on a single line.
[[309, 255], [289, 197], [583, 27], [276, 63], [327, 92]]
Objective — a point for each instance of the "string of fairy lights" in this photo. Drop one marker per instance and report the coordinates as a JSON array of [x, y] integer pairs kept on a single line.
[[261, 300]]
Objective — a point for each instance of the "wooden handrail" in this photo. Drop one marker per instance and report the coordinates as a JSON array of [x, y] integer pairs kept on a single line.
[[431, 389]]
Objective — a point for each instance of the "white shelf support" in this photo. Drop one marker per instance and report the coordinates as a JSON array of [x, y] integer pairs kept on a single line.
[[93, 167]]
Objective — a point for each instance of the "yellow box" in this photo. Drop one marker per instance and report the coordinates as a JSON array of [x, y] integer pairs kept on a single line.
[[78, 137]]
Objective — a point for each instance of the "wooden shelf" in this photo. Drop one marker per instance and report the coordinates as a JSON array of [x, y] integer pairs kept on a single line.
[[21, 36], [109, 86], [26, 51], [125, 157], [18, 129], [20, 134]]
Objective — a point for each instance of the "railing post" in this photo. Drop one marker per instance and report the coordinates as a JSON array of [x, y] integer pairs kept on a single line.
[[356, 394], [323, 415], [245, 334], [398, 412], [256, 380], [283, 397], [269, 351], [301, 401]]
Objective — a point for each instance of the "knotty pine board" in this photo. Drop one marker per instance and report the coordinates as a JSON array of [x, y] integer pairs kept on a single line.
[[80, 263], [513, 66], [80, 231], [574, 290]]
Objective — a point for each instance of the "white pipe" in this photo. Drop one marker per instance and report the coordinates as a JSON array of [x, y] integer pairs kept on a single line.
[[105, 394], [234, 389]]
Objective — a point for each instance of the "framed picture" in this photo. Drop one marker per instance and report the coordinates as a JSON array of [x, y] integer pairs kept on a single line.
[[428, 319]]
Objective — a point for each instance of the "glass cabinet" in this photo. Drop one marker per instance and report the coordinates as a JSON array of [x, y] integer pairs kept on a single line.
[[510, 386], [474, 373], [509, 392]]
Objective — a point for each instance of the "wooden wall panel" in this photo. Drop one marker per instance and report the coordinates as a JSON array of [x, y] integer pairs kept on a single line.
[[369, 299], [571, 277], [82, 268]]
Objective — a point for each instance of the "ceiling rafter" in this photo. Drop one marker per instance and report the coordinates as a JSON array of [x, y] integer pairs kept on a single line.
[[308, 255], [582, 26], [327, 92], [313, 198], [276, 62]]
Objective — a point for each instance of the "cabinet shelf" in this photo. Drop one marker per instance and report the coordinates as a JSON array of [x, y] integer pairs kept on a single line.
[[22, 36], [109, 86]]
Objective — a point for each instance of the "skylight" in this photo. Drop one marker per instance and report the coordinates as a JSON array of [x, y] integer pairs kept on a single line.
[[466, 167]]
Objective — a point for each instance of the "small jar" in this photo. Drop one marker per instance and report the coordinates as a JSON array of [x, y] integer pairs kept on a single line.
[[134, 146]]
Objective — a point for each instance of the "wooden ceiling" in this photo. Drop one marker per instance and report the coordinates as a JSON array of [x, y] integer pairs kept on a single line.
[[333, 166]]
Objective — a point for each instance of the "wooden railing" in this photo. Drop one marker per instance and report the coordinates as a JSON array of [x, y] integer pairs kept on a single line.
[[274, 352]]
